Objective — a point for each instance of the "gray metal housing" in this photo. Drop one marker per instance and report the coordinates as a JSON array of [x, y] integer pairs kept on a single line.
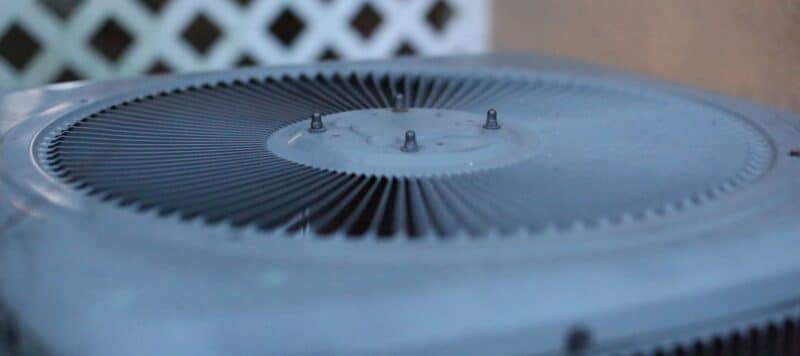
[[79, 276]]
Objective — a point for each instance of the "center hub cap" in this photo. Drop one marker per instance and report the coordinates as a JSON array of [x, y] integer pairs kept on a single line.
[[371, 142]]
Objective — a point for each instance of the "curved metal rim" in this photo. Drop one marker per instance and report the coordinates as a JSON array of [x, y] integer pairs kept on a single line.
[[56, 123]]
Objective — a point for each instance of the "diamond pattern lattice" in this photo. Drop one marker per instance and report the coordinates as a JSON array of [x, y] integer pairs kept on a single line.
[[42, 41]]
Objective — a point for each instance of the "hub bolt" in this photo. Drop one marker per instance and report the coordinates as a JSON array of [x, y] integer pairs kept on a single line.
[[491, 120], [316, 123], [410, 145], [400, 104]]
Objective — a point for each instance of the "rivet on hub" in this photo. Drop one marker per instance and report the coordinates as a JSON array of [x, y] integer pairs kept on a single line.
[[400, 104], [316, 123], [410, 145], [491, 120]]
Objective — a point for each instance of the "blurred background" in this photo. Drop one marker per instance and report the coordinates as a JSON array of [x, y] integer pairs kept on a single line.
[[43, 41], [747, 48]]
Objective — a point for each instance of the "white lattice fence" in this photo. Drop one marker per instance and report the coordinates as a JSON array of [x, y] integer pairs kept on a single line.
[[44, 41]]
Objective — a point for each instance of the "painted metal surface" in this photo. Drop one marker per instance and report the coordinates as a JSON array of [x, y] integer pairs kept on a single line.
[[88, 277]]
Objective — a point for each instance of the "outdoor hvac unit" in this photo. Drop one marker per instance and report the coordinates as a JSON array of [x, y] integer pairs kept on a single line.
[[494, 205]]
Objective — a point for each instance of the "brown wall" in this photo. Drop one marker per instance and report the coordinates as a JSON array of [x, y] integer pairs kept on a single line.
[[747, 48]]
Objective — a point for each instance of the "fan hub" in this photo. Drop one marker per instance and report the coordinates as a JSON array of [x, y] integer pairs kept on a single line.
[[370, 142]]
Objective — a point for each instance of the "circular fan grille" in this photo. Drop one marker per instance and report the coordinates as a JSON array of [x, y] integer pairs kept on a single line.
[[605, 155]]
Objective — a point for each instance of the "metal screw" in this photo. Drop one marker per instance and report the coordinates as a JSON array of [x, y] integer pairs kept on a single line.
[[400, 104], [316, 123], [491, 120], [410, 145], [577, 341]]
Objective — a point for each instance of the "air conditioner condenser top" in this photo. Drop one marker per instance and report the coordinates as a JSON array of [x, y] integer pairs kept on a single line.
[[497, 204]]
